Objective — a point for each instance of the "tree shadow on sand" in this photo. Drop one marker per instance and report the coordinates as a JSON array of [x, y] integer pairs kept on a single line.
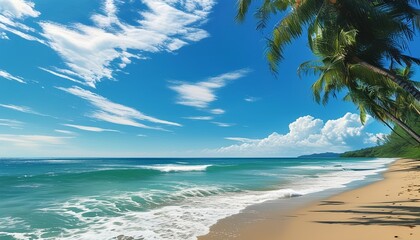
[[384, 215], [413, 165]]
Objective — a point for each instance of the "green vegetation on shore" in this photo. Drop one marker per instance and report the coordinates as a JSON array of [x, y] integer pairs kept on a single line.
[[397, 144], [360, 50]]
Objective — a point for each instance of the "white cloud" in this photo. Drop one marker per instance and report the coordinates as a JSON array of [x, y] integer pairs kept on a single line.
[[251, 99], [201, 94], [90, 128], [19, 33], [203, 118], [11, 123], [23, 109], [4, 36], [243, 140], [12, 12], [108, 111], [32, 140], [94, 52], [375, 138], [9, 76], [217, 111], [306, 135], [141, 135], [61, 75], [220, 124], [64, 132], [18, 9]]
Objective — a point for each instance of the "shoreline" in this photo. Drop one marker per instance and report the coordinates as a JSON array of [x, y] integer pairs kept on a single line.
[[384, 209]]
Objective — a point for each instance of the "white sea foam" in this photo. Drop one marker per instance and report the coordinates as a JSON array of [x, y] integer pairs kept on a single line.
[[190, 218], [7, 223], [317, 167], [187, 212], [60, 161], [360, 165], [52, 161], [28, 186], [176, 168]]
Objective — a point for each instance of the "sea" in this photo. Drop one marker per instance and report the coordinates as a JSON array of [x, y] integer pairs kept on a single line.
[[157, 198]]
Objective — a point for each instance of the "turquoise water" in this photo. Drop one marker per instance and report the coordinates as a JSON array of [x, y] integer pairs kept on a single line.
[[154, 198]]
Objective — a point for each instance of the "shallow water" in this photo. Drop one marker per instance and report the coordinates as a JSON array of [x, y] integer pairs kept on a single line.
[[154, 198]]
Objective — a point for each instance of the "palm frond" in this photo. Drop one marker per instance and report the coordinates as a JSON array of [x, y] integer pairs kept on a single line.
[[243, 6]]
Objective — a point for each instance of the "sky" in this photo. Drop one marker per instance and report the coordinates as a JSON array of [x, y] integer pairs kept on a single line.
[[158, 78]]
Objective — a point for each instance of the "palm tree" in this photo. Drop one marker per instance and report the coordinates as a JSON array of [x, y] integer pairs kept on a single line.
[[371, 92], [375, 101], [382, 27]]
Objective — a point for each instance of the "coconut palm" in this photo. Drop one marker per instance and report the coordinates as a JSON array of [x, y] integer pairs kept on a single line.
[[383, 29], [371, 92], [376, 102]]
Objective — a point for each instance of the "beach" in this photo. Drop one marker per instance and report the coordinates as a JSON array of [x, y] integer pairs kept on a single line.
[[386, 209]]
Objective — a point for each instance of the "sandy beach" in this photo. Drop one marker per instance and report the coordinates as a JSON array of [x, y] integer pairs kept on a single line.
[[387, 209]]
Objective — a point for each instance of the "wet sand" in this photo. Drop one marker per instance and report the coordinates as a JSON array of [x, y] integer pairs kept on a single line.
[[387, 209]]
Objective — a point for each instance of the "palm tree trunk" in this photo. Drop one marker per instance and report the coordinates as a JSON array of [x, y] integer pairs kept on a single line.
[[407, 86], [393, 130], [404, 126]]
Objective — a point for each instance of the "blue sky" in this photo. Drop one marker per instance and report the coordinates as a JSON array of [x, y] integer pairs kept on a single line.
[[157, 78]]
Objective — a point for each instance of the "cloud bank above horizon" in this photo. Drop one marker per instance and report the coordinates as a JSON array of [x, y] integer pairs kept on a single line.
[[306, 135]]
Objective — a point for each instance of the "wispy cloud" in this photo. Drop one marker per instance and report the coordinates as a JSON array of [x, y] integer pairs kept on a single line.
[[306, 135], [90, 128], [220, 124], [61, 75], [243, 140], [141, 135], [217, 111], [18, 9], [4, 36], [108, 111], [9, 76], [23, 109], [203, 118], [32, 140], [12, 12], [64, 132], [251, 99], [95, 51], [11, 123], [201, 94]]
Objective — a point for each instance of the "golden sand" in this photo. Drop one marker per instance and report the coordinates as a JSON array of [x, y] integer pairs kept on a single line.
[[385, 210]]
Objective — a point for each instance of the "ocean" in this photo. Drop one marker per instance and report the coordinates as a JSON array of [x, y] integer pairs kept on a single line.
[[154, 199]]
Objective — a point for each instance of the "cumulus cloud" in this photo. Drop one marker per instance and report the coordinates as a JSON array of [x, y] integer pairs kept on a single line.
[[89, 128], [201, 94], [9, 76], [375, 138], [306, 135], [94, 52], [108, 111]]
